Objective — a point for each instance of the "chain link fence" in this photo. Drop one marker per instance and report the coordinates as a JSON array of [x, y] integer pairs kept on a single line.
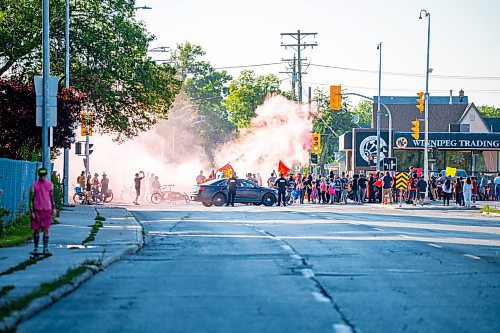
[[16, 178]]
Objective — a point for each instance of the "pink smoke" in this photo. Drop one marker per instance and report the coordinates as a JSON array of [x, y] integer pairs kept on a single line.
[[280, 130]]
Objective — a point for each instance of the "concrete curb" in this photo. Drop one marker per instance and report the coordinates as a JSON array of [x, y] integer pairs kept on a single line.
[[8, 324]]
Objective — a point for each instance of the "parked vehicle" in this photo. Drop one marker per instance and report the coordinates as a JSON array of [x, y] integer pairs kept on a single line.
[[215, 193]]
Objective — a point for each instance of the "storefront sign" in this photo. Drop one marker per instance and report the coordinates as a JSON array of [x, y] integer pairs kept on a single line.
[[451, 140], [366, 147]]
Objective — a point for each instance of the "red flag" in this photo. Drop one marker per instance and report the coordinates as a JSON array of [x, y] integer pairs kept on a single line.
[[418, 171], [378, 183], [283, 169], [227, 170]]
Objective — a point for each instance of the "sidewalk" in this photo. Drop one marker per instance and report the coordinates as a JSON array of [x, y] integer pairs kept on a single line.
[[438, 205], [120, 235]]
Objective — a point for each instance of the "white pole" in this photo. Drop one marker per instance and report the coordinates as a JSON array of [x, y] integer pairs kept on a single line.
[[379, 47]]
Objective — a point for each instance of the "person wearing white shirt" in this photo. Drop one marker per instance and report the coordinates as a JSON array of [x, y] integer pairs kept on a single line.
[[467, 190]]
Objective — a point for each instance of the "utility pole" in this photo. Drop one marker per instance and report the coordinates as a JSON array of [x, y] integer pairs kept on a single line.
[[299, 46], [87, 145], [66, 85], [294, 77], [46, 80]]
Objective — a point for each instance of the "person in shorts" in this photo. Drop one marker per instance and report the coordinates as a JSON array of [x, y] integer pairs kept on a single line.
[[42, 207], [421, 190], [137, 182]]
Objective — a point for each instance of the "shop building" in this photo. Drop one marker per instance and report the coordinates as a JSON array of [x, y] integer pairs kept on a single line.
[[459, 137]]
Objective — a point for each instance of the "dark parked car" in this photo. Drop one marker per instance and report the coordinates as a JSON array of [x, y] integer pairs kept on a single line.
[[214, 192]]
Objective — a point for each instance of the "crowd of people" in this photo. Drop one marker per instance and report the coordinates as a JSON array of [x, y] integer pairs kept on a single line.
[[375, 187], [93, 185]]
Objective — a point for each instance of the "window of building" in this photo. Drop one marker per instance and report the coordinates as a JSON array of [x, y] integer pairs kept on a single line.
[[472, 117]]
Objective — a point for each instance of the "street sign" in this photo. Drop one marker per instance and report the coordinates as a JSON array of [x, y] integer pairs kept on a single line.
[[390, 164], [314, 158], [53, 85], [402, 180]]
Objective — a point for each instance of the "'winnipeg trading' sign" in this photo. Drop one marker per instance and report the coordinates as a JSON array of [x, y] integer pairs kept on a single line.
[[451, 140]]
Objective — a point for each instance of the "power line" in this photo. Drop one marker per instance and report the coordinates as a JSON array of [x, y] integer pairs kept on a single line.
[[364, 70], [437, 76], [245, 66]]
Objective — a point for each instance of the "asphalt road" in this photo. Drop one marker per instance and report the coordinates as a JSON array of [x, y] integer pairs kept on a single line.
[[294, 269]]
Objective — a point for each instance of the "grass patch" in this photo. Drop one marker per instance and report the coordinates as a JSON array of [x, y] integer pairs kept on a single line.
[[93, 232], [19, 267], [5, 290], [488, 210], [17, 232], [99, 217], [44, 290]]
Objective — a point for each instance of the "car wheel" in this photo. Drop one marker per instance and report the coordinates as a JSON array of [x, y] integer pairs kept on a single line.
[[206, 204], [219, 199], [268, 199]]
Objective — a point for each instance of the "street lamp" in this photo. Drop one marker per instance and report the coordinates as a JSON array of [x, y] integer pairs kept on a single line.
[[379, 47], [142, 7], [426, 96]]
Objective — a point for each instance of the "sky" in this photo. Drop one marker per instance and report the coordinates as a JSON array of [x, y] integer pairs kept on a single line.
[[465, 41]]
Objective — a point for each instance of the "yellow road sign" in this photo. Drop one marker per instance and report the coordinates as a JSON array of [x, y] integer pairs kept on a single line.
[[402, 180]]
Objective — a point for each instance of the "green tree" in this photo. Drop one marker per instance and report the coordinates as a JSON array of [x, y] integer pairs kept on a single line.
[[246, 93], [489, 111], [364, 111], [127, 91]]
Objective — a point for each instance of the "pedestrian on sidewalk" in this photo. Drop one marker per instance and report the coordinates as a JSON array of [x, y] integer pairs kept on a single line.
[[137, 182], [42, 207], [459, 192], [496, 181], [422, 189], [387, 188], [447, 190], [468, 192]]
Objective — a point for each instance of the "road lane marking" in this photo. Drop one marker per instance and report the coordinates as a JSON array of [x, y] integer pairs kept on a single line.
[[435, 245], [307, 273], [320, 297], [378, 229], [286, 247], [312, 215], [341, 328], [405, 236], [471, 256]]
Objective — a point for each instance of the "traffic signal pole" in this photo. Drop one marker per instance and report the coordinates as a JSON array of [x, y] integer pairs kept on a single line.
[[426, 114], [87, 145], [46, 80], [379, 47], [66, 85]]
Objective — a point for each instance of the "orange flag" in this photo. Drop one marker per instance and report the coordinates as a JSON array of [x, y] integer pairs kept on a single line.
[[283, 169], [227, 170]]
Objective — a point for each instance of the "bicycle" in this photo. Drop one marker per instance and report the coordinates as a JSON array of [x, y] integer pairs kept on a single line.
[[83, 198], [165, 195]]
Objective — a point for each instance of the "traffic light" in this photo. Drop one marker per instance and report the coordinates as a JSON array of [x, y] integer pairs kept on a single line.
[[83, 123], [420, 101], [316, 143], [335, 97], [314, 158], [416, 129], [78, 148], [89, 124]]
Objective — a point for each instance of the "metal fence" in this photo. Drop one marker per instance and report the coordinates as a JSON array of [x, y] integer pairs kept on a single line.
[[16, 178]]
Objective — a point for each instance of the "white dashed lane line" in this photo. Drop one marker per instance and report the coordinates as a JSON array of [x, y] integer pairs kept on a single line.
[[341, 328], [320, 297], [472, 256], [378, 229], [286, 247], [435, 245]]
